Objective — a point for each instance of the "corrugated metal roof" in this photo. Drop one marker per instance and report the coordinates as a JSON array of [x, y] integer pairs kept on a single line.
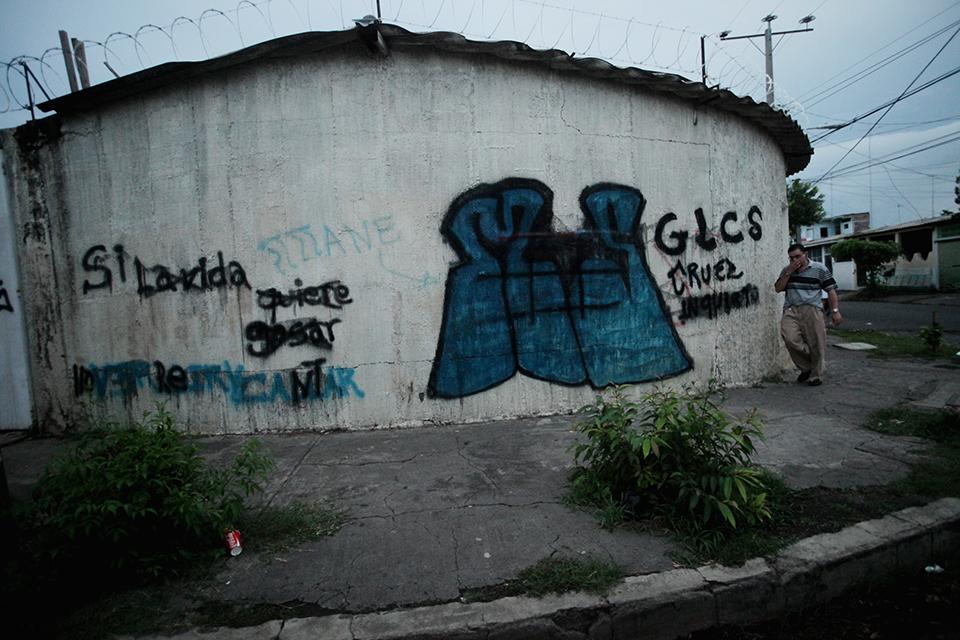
[[784, 130]]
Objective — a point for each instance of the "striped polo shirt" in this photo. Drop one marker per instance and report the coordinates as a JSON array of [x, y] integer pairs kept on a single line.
[[804, 286]]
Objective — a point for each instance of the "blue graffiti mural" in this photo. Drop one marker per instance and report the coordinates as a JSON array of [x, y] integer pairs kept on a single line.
[[125, 380], [566, 307]]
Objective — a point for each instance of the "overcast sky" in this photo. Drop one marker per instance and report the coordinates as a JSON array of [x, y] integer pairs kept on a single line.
[[859, 56]]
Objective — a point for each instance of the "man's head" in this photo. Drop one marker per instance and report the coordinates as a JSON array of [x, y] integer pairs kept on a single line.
[[797, 253]]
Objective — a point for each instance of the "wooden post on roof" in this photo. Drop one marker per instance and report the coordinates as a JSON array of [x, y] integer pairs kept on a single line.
[[81, 55], [68, 60]]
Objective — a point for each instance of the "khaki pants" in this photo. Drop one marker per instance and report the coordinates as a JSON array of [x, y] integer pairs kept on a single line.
[[805, 335]]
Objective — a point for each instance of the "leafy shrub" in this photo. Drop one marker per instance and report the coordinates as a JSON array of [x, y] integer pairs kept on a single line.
[[674, 454], [136, 499], [870, 256], [932, 336]]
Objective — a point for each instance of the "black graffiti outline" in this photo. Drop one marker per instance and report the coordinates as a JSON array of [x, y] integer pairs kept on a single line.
[[5, 304], [544, 246], [703, 238], [290, 333], [332, 294], [718, 303], [701, 274], [165, 279]]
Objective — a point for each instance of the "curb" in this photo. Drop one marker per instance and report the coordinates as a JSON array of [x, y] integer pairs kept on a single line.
[[660, 605]]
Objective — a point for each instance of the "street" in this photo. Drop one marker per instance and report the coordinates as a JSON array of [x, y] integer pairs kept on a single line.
[[904, 316]]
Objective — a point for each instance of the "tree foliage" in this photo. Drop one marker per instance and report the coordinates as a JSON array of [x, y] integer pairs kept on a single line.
[[869, 255], [956, 198], [805, 204]]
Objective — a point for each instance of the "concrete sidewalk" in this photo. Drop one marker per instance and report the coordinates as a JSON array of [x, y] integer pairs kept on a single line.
[[435, 511]]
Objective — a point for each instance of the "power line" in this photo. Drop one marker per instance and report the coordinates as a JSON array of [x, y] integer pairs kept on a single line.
[[917, 77], [902, 96], [870, 55], [858, 168], [916, 169], [907, 148], [836, 88], [905, 199]]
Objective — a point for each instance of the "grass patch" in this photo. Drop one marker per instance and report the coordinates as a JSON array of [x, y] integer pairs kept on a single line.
[[554, 575], [170, 608], [179, 600], [939, 426], [895, 346], [272, 529], [801, 513], [796, 515], [939, 474]]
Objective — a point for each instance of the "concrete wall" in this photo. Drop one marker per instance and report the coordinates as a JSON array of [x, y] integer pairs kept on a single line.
[[946, 241], [343, 241], [920, 271], [845, 274], [14, 384]]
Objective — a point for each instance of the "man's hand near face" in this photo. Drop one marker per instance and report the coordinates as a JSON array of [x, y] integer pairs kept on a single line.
[[797, 262]]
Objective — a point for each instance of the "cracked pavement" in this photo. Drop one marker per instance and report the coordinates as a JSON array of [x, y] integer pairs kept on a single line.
[[433, 511]]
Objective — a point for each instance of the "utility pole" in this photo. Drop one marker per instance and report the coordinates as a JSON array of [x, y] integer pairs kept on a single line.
[[767, 36], [768, 55]]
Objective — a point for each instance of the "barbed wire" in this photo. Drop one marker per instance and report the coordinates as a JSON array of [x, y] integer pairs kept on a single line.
[[216, 32]]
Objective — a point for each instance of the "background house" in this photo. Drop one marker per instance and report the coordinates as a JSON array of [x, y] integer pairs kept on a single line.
[[931, 253], [819, 237], [835, 226], [931, 250]]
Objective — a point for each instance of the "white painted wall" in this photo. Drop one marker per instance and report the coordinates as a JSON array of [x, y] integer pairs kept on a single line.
[[845, 274], [341, 167], [14, 378]]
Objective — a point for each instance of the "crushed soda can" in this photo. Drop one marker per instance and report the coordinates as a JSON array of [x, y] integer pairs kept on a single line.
[[233, 542], [934, 568]]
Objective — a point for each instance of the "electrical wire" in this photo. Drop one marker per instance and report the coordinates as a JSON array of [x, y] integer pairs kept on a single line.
[[842, 85], [917, 77], [870, 55], [863, 167], [890, 103]]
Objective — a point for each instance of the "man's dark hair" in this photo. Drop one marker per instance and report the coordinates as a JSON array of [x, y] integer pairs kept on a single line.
[[796, 245]]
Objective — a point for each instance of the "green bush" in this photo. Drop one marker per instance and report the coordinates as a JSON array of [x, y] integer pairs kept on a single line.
[[674, 454], [870, 256], [932, 336], [136, 500]]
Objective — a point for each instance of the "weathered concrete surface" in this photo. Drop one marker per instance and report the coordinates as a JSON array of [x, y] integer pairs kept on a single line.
[[814, 435], [665, 605], [14, 390], [287, 180], [437, 510], [453, 509]]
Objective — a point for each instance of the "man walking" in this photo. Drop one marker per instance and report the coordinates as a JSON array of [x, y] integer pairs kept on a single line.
[[802, 325]]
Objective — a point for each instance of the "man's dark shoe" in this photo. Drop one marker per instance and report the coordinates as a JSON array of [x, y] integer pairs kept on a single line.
[[816, 382], [804, 376]]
